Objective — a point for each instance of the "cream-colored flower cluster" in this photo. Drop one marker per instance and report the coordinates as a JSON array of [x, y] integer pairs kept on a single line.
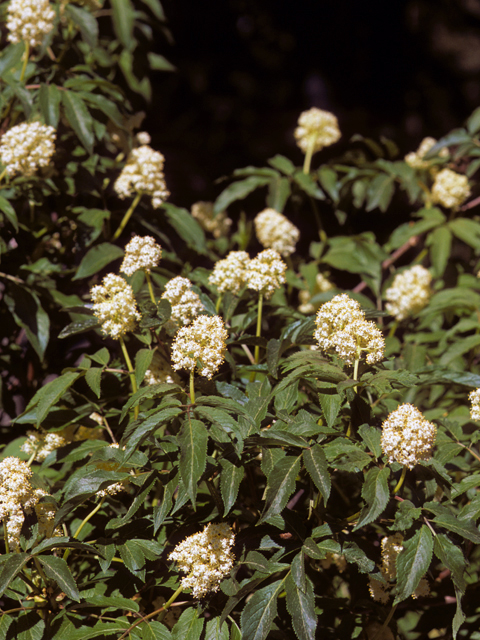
[[265, 273], [201, 345], [409, 292], [318, 128], [27, 147], [186, 304], [450, 189], [229, 274], [322, 284], [160, 372], [338, 559], [143, 173], [380, 591], [474, 398], [18, 497], [143, 137], [218, 225], [115, 306], [407, 437], [42, 443], [141, 253], [416, 160], [206, 557], [343, 329], [275, 231], [29, 21]]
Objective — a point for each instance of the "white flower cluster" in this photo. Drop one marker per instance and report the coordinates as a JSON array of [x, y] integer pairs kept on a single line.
[[334, 558], [141, 253], [415, 159], [450, 189], [115, 306], [206, 557], [219, 225], [407, 437], [275, 231], [41, 444], [409, 292], [186, 304], [265, 273], [143, 137], [143, 173], [201, 345], [474, 398], [229, 274], [26, 147], [160, 372], [342, 328], [111, 465], [29, 21], [317, 127], [322, 284]]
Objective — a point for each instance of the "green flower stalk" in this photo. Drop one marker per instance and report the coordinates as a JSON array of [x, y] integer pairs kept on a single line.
[[316, 129]]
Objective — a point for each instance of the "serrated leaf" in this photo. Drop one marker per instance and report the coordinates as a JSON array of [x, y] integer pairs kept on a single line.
[[405, 515], [278, 193], [297, 571], [257, 562], [11, 568], [413, 562], [372, 437], [316, 465], [85, 482], [57, 569], [331, 404], [260, 611], [376, 493], [106, 106], [308, 184], [101, 630], [189, 626], [283, 164], [213, 630], [5, 622], [96, 259], [123, 22], [93, 378], [132, 555], [355, 555], [319, 550], [86, 22], [440, 243], [9, 212], [466, 230], [280, 486], [193, 439], [301, 607], [147, 426], [116, 602], [464, 528], [380, 192], [150, 391], [239, 190], [459, 617], [230, 480], [26, 309], [79, 118], [186, 226], [154, 630], [452, 558], [28, 626], [143, 359], [74, 328], [48, 395]]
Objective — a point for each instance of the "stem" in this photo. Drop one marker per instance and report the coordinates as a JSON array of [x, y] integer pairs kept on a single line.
[[5, 536], [150, 288], [25, 61], [2, 175], [355, 371], [309, 154], [258, 334], [127, 216], [32, 457], [82, 524], [170, 602], [192, 386], [219, 302], [393, 328], [131, 372], [379, 633], [400, 482]]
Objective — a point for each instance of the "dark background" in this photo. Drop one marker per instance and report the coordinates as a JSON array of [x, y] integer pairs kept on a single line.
[[247, 68]]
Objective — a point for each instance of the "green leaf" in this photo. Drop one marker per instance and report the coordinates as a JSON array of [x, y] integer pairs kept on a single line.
[[372, 437], [11, 57], [11, 568], [331, 404], [5, 622], [260, 611], [283, 164], [316, 465], [28, 313], [86, 22], [319, 550], [440, 243], [380, 192], [9, 211], [376, 494], [257, 562], [301, 606], [150, 391], [278, 193], [239, 190], [75, 328], [405, 515], [186, 226], [458, 348], [280, 486], [298, 571], [452, 558], [466, 230], [188, 627], [459, 617], [307, 184], [149, 425], [93, 378], [105, 105], [143, 359], [154, 630], [123, 22], [329, 181], [193, 439], [214, 631], [116, 602], [473, 121], [230, 480], [413, 562], [28, 626], [48, 395], [355, 555], [162, 511], [79, 118], [156, 8], [158, 62], [96, 259], [464, 528], [101, 630], [57, 569], [84, 483]]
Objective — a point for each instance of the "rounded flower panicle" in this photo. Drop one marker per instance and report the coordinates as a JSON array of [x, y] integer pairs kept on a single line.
[[26, 147], [29, 21], [334, 316], [360, 337], [318, 128], [409, 292], [266, 273], [407, 437], [219, 225], [415, 159], [143, 173], [186, 304], [206, 557], [201, 345], [41, 444], [450, 189], [160, 372], [322, 285], [229, 274], [474, 398], [115, 306], [141, 253], [143, 137], [275, 231]]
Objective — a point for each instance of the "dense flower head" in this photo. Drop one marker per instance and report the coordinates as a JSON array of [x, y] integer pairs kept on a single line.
[[415, 159], [266, 273], [115, 306], [407, 437], [409, 292], [143, 173], [275, 231], [143, 137], [316, 127], [360, 337], [26, 147], [40, 444], [201, 345], [218, 224], [29, 21], [160, 372], [206, 557], [229, 274], [186, 304], [474, 398], [141, 253], [450, 189], [322, 284]]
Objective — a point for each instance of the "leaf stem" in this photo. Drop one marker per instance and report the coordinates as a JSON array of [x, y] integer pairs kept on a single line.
[[131, 372], [169, 603], [379, 633], [258, 334], [127, 216], [25, 60], [82, 524], [219, 302], [308, 154], [192, 386], [150, 288], [400, 482]]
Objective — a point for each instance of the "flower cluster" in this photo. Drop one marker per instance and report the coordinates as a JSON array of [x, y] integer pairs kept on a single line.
[[201, 345], [143, 173], [206, 557], [229, 274], [115, 306], [141, 253], [416, 160], [474, 398], [26, 147], [409, 293], [342, 328], [265, 273], [407, 437], [160, 372], [186, 304], [143, 137], [29, 21], [219, 225], [275, 231], [318, 128], [40, 444], [111, 465], [450, 189], [322, 284]]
